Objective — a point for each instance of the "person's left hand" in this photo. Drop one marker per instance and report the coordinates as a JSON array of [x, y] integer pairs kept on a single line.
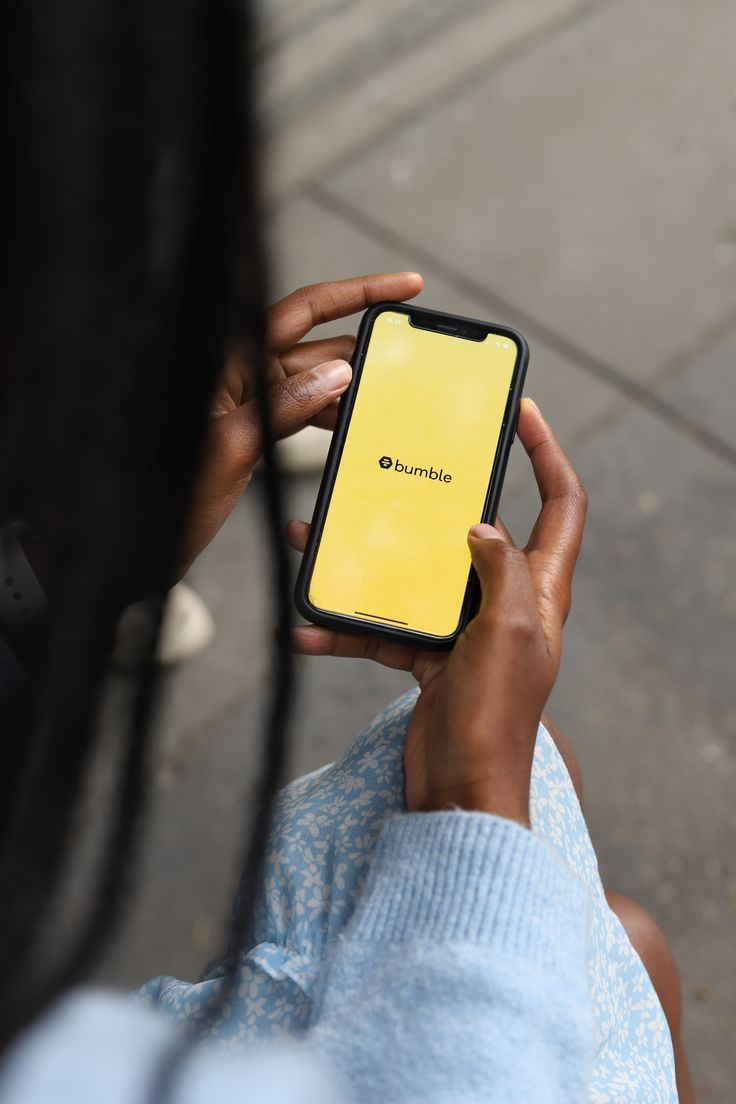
[[306, 379]]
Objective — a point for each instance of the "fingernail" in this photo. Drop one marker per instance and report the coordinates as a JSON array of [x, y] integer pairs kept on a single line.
[[531, 402], [335, 375], [485, 532], [416, 275]]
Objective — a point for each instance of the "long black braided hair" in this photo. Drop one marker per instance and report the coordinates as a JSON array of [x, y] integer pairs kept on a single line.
[[131, 264]]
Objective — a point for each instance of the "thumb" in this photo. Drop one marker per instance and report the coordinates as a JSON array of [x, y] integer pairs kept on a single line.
[[298, 398], [501, 569]]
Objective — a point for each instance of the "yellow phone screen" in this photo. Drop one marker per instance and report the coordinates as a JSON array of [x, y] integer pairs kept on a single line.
[[413, 477]]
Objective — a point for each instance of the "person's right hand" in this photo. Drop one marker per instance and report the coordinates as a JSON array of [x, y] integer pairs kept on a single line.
[[470, 741]]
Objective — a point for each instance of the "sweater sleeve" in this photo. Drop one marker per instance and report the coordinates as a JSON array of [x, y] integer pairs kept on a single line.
[[462, 976]]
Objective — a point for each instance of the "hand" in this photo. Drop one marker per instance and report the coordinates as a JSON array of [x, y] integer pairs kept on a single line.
[[470, 741], [306, 380]]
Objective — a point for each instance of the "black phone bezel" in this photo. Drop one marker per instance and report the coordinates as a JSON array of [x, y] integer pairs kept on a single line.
[[440, 322]]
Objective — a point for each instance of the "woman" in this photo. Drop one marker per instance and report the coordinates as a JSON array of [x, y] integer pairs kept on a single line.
[[398, 918]]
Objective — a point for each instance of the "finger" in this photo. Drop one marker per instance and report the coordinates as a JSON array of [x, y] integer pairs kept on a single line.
[[308, 354], [293, 401], [296, 399], [297, 534], [289, 320], [555, 540], [506, 588], [314, 641]]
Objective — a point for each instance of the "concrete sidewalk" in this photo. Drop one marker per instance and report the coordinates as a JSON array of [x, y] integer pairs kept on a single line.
[[570, 168]]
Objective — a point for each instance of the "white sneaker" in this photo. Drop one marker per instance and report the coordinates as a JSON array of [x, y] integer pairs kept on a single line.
[[305, 452], [187, 629]]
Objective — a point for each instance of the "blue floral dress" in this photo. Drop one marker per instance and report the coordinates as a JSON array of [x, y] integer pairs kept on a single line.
[[325, 825]]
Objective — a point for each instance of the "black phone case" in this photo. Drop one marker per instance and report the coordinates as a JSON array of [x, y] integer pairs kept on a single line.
[[447, 322]]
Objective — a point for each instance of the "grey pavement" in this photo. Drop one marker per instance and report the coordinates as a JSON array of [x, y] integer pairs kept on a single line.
[[569, 168]]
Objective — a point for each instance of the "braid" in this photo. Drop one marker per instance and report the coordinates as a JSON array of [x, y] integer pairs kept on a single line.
[[132, 262], [275, 746], [276, 722]]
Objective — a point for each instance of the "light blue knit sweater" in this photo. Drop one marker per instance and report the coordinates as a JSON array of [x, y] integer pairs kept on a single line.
[[461, 977]]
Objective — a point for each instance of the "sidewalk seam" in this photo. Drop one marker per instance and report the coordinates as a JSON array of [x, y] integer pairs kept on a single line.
[[596, 367], [466, 81]]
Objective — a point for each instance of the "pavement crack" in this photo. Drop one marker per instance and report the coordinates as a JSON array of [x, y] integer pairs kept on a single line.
[[361, 66]]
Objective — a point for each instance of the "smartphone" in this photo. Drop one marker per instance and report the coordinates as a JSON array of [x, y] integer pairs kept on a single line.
[[418, 456]]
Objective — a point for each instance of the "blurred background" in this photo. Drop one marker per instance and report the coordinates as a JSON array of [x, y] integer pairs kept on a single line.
[[569, 167]]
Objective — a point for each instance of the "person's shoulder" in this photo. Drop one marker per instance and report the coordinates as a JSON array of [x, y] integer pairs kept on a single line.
[[96, 1047]]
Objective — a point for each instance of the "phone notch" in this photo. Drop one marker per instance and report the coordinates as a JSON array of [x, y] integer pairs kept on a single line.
[[453, 327]]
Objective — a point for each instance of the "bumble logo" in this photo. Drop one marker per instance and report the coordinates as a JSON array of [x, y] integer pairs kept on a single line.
[[438, 475]]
